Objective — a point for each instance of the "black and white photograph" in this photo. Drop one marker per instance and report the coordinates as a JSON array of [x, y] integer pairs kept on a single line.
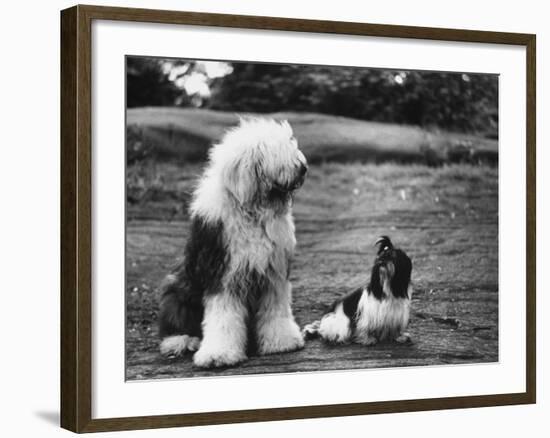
[[234, 219], [285, 218]]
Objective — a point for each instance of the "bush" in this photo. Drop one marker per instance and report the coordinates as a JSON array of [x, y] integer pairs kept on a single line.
[[451, 101]]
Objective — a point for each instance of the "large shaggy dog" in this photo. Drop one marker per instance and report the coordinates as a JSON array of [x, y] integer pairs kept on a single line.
[[376, 312], [231, 295]]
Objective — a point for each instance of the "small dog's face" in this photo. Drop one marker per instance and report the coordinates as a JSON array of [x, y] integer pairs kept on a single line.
[[266, 165], [391, 273]]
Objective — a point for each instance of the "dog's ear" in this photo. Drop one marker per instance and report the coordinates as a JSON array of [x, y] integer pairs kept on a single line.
[[375, 285], [402, 278], [239, 180]]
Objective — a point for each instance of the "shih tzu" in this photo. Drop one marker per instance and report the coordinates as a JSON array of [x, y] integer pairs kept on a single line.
[[376, 312]]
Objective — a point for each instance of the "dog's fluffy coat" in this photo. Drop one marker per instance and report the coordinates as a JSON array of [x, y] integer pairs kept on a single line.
[[376, 312], [231, 295]]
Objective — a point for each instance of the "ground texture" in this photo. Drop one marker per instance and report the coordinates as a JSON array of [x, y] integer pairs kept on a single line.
[[445, 218]]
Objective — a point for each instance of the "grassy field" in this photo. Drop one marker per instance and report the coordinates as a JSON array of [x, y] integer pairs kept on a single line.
[[446, 218], [185, 135]]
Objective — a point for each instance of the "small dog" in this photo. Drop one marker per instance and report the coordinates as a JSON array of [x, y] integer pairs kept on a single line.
[[232, 294], [376, 312]]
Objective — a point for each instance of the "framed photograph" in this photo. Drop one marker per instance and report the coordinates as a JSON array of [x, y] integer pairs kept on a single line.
[[266, 218]]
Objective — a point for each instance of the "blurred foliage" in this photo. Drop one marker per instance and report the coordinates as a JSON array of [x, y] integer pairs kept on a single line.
[[451, 101], [148, 84], [455, 101]]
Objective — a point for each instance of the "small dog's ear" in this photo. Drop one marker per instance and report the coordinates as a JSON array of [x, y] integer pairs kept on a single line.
[[375, 285], [401, 280]]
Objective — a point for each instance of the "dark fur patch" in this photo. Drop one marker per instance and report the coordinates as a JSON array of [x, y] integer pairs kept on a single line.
[[248, 286], [351, 302], [375, 287], [402, 277], [279, 201], [200, 273]]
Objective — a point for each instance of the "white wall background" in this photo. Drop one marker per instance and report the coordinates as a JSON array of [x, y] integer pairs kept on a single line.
[[29, 224]]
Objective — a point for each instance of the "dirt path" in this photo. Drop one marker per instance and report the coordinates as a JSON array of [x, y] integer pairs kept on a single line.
[[445, 218]]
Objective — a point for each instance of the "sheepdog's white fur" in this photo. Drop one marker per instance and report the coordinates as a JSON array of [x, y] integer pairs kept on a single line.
[[247, 187]]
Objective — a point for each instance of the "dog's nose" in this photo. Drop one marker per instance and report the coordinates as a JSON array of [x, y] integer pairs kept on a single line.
[[303, 169]]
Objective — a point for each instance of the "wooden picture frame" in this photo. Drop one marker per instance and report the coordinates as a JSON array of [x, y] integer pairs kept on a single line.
[[76, 218]]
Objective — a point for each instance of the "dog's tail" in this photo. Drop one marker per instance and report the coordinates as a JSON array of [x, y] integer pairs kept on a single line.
[[311, 331]]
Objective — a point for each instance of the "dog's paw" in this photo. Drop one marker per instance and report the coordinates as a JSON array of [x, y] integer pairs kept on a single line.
[[283, 343], [281, 336], [404, 338], [209, 358], [174, 346]]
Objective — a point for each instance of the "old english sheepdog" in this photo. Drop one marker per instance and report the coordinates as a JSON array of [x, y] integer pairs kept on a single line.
[[231, 296], [376, 312]]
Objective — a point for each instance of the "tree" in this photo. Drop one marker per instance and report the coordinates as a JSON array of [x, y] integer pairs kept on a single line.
[[147, 84], [455, 101]]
